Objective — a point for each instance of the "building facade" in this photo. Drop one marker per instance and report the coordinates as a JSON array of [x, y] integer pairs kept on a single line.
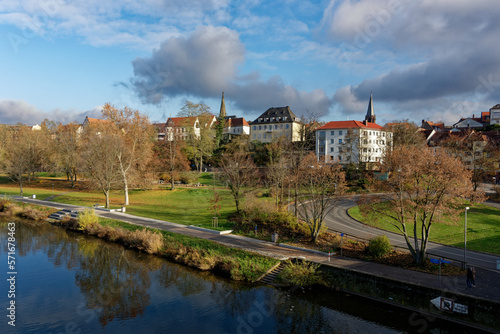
[[354, 142], [276, 123]]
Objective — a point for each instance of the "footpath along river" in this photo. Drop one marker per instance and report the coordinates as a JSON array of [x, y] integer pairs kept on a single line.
[[64, 282]]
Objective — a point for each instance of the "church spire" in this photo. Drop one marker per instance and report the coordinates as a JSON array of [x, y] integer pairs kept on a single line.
[[222, 112], [370, 113]]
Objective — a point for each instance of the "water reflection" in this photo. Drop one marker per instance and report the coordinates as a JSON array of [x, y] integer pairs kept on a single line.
[[70, 281]]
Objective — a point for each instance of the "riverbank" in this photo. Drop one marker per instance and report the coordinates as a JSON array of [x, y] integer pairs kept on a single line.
[[411, 282]]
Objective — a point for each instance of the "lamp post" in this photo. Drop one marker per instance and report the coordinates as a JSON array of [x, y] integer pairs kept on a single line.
[[465, 238]]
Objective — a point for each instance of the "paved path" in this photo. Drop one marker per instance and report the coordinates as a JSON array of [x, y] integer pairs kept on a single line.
[[487, 280], [339, 220]]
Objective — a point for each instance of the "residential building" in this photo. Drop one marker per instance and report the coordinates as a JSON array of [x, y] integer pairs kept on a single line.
[[353, 141], [495, 114], [182, 127], [236, 126], [160, 130], [276, 123], [468, 123], [232, 125]]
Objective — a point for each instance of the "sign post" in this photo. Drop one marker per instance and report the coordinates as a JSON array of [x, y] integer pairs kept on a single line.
[[341, 243]]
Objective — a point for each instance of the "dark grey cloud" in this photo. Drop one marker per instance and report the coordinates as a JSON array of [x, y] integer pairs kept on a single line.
[[206, 63], [445, 54]]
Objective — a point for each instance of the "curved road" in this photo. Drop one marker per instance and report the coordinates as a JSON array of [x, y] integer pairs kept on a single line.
[[338, 220]]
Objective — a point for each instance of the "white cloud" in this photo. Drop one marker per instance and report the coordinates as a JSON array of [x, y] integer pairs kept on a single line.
[[19, 111]]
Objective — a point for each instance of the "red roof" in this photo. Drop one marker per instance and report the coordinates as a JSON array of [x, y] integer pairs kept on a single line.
[[350, 125], [240, 121]]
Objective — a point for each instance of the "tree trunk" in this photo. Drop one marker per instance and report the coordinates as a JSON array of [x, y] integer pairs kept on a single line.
[[172, 181], [107, 198], [125, 188], [237, 202], [21, 188]]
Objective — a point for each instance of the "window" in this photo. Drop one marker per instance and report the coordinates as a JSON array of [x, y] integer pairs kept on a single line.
[[322, 134], [259, 135], [284, 118], [265, 135], [340, 141], [253, 136], [260, 119], [255, 127], [331, 149], [265, 127], [332, 133], [287, 126], [260, 128], [340, 132], [275, 126], [340, 157]]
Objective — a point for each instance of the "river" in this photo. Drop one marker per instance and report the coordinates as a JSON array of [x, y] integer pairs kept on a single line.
[[65, 282]]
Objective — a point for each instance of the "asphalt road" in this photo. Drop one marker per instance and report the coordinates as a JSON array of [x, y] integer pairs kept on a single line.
[[338, 220]]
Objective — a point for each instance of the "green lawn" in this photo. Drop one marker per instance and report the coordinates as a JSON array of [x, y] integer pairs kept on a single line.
[[183, 205], [483, 228]]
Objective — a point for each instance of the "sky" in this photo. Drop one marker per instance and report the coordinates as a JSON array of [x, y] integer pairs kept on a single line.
[[430, 59]]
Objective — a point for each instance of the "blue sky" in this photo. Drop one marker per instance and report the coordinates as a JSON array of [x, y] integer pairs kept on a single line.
[[428, 59]]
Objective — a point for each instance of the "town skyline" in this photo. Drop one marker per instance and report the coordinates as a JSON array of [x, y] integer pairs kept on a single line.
[[423, 61]]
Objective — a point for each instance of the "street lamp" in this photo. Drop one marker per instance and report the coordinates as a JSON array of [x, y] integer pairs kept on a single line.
[[465, 237]]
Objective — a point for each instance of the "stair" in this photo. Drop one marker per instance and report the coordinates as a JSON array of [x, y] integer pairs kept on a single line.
[[269, 278], [64, 213]]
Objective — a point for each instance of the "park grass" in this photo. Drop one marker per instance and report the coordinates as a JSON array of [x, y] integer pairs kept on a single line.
[[483, 228], [188, 206]]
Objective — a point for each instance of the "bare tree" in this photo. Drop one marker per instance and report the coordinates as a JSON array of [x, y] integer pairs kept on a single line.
[[239, 171], [25, 153], [421, 184], [476, 151], [100, 152], [406, 133], [170, 158], [322, 184], [66, 146], [200, 142], [135, 150]]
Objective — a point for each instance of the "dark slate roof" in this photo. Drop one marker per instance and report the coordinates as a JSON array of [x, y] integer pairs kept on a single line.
[[277, 115]]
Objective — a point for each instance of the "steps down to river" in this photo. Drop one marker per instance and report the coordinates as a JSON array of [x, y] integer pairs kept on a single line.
[[65, 213], [271, 275]]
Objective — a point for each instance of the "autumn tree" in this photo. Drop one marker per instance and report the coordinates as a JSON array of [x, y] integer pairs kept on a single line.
[[476, 151], [135, 150], [169, 158], [238, 171], [100, 150], [322, 183], [422, 184], [406, 133], [26, 151]]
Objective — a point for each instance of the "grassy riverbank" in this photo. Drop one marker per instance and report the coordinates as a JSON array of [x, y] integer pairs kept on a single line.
[[195, 252]]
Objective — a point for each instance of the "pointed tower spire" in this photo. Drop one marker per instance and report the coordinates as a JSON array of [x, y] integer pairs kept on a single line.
[[222, 113], [370, 113]]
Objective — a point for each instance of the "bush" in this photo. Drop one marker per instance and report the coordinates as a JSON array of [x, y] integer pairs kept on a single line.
[[379, 246], [300, 274], [188, 178], [88, 221], [146, 240]]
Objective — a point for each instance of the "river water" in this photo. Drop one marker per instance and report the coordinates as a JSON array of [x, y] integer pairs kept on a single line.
[[69, 283]]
